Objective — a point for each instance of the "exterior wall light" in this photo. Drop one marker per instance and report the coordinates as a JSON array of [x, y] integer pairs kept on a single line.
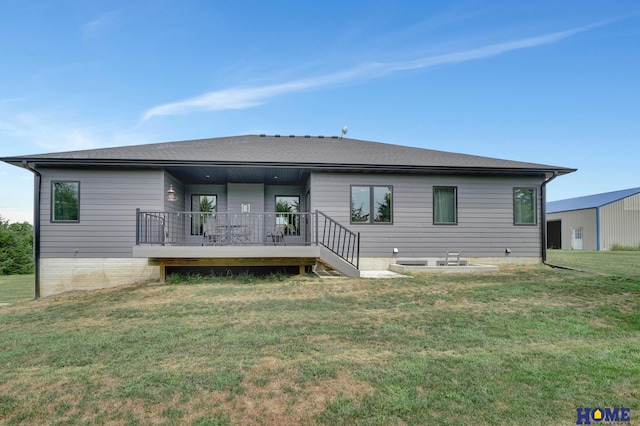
[[171, 195]]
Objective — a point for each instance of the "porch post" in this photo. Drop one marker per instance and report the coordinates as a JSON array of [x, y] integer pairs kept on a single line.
[[316, 237], [138, 226], [358, 254], [163, 273]]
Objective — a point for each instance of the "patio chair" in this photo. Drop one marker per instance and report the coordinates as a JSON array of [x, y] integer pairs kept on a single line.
[[277, 235], [212, 234], [452, 258], [242, 234]]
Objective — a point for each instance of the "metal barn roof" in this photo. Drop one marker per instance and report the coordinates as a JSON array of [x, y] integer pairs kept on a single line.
[[590, 201]]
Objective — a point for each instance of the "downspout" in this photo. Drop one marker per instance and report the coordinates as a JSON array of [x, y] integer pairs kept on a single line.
[[543, 212], [37, 186], [543, 230]]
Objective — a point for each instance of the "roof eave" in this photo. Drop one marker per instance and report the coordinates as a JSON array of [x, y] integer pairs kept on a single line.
[[85, 162]]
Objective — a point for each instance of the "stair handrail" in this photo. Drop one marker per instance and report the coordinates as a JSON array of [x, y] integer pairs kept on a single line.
[[337, 238]]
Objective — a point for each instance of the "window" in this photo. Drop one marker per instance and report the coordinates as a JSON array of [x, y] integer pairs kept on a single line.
[[65, 201], [524, 206], [206, 205], [288, 206], [445, 205], [371, 204], [578, 233]]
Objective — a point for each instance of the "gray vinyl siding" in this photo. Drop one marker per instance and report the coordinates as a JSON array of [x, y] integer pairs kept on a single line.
[[270, 193], [180, 192], [239, 193], [108, 202], [485, 215]]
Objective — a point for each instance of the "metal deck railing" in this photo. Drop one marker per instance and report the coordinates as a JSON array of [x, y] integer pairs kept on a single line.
[[237, 229]]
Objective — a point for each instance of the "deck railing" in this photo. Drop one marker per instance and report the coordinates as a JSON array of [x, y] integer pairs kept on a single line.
[[337, 238], [224, 229]]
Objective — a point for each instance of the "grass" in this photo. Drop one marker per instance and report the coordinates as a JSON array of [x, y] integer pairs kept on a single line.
[[620, 247], [16, 288], [625, 263], [526, 345]]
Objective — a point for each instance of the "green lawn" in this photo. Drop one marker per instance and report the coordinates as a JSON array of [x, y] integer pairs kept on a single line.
[[598, 262], [16, 288], [526, 345]]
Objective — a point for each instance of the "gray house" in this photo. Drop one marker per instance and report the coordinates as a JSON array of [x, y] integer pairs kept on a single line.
[[595, 222], [113, 216]]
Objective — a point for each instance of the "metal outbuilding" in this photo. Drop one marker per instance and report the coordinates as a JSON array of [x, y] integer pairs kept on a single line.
[[595, 222]]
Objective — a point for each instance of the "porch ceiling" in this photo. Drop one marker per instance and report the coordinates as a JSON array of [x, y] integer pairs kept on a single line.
[[239, 174]]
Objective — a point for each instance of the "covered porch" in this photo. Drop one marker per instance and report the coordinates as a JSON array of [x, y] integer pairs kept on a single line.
[[215, 239], [224, 215]]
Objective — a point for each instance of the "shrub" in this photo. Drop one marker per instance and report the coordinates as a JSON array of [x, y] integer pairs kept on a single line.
[[620, 247], [16, 248], [243, 278]]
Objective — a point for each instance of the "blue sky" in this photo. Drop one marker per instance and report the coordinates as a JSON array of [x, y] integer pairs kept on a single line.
[[551, 82]]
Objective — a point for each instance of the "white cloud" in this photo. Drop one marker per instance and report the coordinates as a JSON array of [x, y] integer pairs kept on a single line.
[[99, 25], [247, 97], [48, 133]]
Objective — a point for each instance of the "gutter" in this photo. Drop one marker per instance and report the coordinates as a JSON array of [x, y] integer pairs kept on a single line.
[[37, 186], [399, 168]]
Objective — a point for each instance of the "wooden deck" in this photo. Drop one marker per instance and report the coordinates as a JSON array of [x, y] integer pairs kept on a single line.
[[163, 263], [301, 256], [168, 256]]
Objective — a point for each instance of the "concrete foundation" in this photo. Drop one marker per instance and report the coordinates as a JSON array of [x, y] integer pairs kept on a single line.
[[60, 275], [410, 269], [383, 263]]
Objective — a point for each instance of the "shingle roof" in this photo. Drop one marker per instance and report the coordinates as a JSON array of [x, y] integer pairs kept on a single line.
[[590, 201], [286, 150]]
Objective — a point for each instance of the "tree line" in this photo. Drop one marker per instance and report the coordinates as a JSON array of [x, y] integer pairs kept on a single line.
[[16, 248]]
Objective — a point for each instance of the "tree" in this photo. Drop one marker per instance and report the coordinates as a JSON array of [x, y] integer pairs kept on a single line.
[[66, 200], [282, 206], [358, 214], [16, 248], [207, 205], [384, 209], [288, 206]]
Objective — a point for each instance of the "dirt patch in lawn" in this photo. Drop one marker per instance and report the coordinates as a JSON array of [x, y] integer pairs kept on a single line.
[[273, 396]]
